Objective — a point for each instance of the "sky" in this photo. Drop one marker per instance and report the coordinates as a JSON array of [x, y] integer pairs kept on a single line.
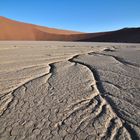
[[78, 15]]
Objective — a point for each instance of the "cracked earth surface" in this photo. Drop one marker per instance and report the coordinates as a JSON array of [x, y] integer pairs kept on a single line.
[[70, 92]]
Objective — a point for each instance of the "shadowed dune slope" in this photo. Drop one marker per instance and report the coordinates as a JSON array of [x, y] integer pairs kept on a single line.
[[14, 30], [128, 35]]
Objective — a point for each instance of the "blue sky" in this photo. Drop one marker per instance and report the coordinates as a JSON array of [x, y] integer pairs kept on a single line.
[[80, 15]]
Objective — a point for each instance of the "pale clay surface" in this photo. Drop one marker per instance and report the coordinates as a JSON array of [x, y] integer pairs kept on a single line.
[[69, 91]]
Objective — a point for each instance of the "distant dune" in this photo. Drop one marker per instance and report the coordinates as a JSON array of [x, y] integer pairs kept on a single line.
[[14, 30]]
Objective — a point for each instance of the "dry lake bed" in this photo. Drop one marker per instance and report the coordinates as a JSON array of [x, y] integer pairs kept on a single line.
[[69, 91]]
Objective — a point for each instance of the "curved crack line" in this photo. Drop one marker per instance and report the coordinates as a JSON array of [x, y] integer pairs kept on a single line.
[[118, 73], [102, 92], [114, 85], [119, 59], [123, 99], [13, 91]]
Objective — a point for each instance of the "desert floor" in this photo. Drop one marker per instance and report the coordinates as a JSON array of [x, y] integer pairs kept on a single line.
[[69, 91]]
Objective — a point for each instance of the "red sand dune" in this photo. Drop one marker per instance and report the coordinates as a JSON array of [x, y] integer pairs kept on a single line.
[[14, 30]]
